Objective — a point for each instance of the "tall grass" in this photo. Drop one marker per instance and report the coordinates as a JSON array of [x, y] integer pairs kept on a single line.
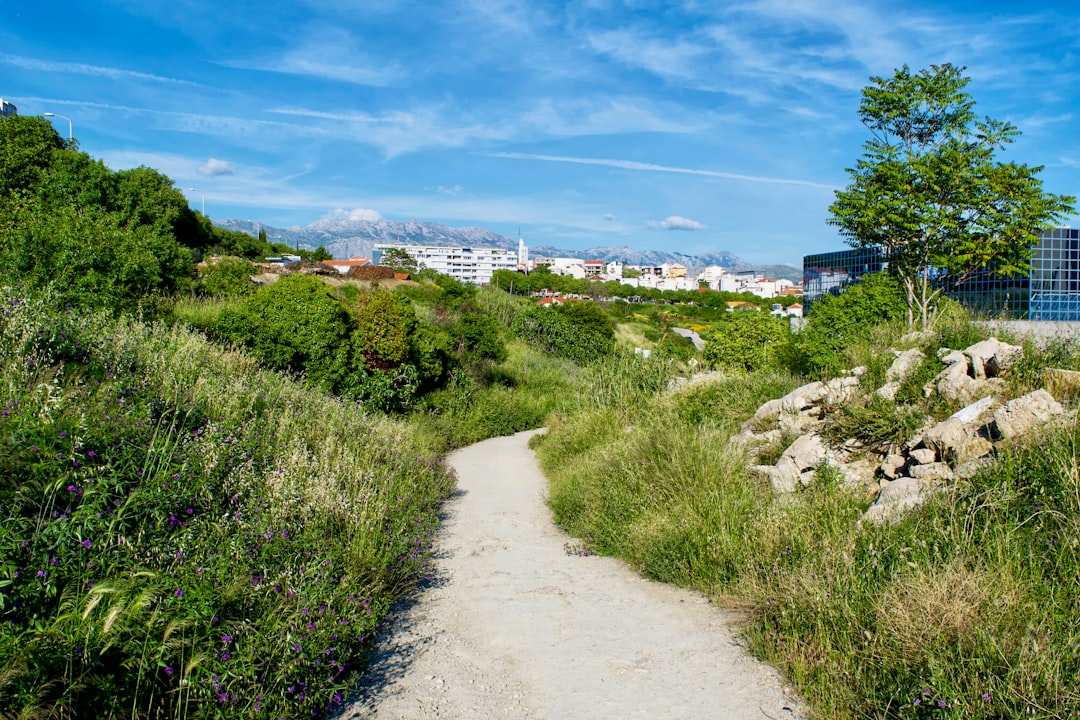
[[185, 535], [968, 607]]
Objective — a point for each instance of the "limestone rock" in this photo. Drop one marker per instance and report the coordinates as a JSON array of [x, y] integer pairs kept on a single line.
[[1024, 414], [904, 364], [898, 496], [933, 471], [889, 390], [923, 456], [892, 464], [990, 357], [974, 411]]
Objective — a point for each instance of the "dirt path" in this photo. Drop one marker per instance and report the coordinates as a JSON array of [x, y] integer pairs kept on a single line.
[[513, 627]]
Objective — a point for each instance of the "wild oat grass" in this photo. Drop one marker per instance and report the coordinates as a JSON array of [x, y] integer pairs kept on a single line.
[[187, 536]]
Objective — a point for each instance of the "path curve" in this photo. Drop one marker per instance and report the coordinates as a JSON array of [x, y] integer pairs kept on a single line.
[[513, 627]]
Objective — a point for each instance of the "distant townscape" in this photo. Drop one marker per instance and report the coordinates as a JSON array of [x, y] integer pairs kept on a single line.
[[345, 239]]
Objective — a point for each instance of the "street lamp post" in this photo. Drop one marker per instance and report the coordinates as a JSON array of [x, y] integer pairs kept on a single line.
[[202, 197], [62, 117]]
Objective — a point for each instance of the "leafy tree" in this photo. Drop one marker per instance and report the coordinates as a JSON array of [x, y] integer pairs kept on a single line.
[[555, 333], [27, 146], [91, 259], [929, 193], [478, 339], [321, 253], [746, 341], [144, 196], [398, 259], [235, 242]]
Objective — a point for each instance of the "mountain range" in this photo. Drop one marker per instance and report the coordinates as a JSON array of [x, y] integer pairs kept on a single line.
[[346, 238]]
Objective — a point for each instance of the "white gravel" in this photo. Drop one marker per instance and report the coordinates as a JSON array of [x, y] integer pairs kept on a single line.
[[513, 627]]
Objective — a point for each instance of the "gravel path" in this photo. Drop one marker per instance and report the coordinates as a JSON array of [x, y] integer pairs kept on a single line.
[[513, 627]]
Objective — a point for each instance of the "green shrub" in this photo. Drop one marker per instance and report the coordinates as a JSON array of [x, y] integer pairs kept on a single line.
[[229, 276], [561, 335], [838, 321], [295, 325], [745, 340]]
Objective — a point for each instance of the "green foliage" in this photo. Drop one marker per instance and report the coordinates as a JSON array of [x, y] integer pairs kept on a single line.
[[27, 149], [876, 424], [839, 321], [478, 338], [93, 260], [119, 240], [239, 244], [579, 335], [746, 340], [146, 198], [384, 325], [929, 192], [589, 318], [227, 276], [297, 326], [184, 536]]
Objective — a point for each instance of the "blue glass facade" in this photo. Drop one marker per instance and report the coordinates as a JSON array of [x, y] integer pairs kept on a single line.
[[1055, 276], [1051, 291], [830, 273]]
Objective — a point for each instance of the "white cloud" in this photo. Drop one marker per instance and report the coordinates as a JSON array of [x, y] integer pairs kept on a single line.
[[675, 222], [215, 167], [456, 190], [611, 217], [356, 215]]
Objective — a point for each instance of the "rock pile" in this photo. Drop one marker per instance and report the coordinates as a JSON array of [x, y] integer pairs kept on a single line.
[[900, 476]]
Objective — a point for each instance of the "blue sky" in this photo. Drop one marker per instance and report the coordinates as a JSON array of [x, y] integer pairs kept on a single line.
[[685, 126]]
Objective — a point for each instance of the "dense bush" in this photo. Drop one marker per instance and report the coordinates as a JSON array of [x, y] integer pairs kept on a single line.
[[93, 260], [562, 334], [227, 276], [838, 321], [295, 325], [185, 536], [745, 340]]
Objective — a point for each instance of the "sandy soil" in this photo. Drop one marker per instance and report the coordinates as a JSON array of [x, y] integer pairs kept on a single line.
[[514, 627]]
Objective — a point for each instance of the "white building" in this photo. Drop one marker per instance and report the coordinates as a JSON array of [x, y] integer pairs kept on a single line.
[[471, 265], [7, 109]]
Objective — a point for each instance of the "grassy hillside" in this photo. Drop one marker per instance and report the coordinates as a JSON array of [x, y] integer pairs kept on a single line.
[[185, 535], [968, 607]]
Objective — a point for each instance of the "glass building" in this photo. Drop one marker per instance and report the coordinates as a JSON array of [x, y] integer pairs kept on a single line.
[[1050, 291], [830, 273]]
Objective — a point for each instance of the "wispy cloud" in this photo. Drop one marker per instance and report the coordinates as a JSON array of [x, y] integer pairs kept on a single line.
[[49, 66], [668, 59], [330, 54], [649, 167], [448, 125]]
